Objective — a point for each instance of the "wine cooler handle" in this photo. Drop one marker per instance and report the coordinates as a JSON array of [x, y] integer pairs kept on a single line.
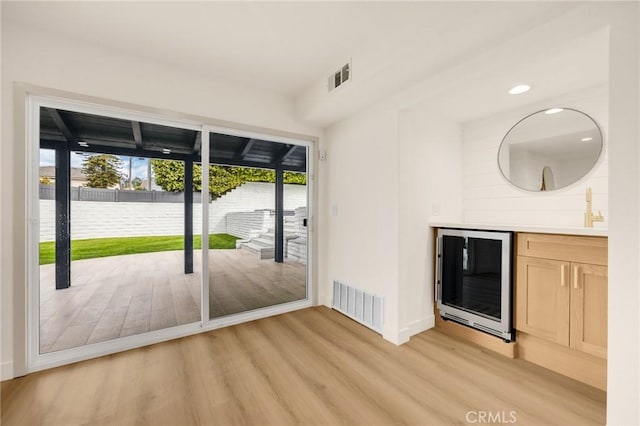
[[438, 269]]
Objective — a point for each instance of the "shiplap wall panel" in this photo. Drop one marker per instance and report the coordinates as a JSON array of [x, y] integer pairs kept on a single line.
[[489, 198]]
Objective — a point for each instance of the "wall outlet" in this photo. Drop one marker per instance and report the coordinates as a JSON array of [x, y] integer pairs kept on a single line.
[[435, 209], [323, 155]]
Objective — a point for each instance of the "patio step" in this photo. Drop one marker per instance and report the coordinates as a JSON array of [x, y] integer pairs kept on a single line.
[[262, 251], [262, 241], [271, 235]]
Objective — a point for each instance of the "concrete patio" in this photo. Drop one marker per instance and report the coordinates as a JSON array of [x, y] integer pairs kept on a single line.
[[119, 296]]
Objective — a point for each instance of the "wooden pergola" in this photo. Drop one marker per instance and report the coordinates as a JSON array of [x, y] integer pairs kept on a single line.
[[68, 131]]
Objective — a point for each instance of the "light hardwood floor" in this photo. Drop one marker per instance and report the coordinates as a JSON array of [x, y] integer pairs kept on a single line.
[[119, 296], [312, 366]]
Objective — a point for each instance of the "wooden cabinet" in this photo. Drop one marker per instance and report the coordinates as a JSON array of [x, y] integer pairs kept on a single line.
[[589, 309], [542, 298], [561, 290]]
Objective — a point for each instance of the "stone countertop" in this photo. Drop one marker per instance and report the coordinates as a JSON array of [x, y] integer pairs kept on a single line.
[[594, 232]]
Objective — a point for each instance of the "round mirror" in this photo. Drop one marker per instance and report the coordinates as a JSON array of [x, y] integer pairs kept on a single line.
[[550, 149]]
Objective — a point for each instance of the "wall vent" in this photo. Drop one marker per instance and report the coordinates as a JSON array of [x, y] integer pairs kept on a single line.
[[340, 76], [363, 307]]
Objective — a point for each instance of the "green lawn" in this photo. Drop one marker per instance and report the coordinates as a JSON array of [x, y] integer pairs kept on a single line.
[[104, 247]]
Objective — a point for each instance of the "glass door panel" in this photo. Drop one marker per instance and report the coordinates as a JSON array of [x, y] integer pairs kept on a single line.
[[257, 224], [118, 255]]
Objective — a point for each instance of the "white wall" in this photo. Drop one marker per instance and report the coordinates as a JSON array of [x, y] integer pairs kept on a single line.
[[57, 62], [429, 188], [387, 170], [623, 361], [98, 219], [361, 173], [490, 198]]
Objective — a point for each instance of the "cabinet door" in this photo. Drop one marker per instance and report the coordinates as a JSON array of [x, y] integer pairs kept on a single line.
[[589, 309], [542, 298]]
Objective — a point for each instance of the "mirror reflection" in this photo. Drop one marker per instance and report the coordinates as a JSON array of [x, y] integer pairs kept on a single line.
[[550, 149]]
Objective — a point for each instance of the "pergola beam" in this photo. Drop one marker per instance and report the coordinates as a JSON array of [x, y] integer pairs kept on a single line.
[[245, 149], [131, 152], [146, 153], [197, 143], [61, 125], [137, 134], [254, 164], [287, 152]]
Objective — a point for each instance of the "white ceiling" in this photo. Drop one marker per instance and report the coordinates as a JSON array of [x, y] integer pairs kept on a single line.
[[288, 46], [291, 47], [566, 66], [280, 46]]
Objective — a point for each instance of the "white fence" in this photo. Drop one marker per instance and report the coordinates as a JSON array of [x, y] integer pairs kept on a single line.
[[99, 219]]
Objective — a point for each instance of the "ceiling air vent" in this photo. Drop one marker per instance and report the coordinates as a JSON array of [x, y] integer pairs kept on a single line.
[[340, 77]]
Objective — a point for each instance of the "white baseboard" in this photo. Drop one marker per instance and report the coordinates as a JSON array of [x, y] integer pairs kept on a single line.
[[6, 370], [395, 336], [421, 325], [402, 335]]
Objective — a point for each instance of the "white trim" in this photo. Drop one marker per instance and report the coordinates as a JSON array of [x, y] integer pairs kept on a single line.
[[204, 246], [396, 336], [402, 335], [6, 371], [257, 314], [311, 179], [418, 326], [32, 320]]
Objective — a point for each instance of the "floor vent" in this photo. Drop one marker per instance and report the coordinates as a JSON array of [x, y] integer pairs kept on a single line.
[[363, 307]]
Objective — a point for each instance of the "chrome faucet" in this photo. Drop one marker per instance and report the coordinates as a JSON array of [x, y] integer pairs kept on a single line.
[[589, 217]]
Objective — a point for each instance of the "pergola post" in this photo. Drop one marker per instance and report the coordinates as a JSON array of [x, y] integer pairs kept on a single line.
[[188, 216], [63, 210], [279, 243]]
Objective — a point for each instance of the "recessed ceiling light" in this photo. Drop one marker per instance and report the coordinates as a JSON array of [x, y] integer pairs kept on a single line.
[[519, 89], [586, 139], [83, 144], [166, 151], [553, 110]]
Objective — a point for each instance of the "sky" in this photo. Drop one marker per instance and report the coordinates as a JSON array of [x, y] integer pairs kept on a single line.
[[139, 166]]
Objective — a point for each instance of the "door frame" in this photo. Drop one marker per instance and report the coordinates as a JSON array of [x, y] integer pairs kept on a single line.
[[29, 325]]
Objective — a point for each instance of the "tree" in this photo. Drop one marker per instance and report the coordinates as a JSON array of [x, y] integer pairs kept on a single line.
[[102, 170], [169, 175], [137, 184]]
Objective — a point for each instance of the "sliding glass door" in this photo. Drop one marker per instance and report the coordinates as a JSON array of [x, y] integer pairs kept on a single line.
[[147, 229]]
